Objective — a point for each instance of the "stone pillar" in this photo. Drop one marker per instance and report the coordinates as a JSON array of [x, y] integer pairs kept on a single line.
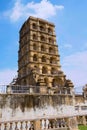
[[8, 126], [39, 48], [24, 125], [39, 57], [28, 125], [84, 120], [43, 124], [49, 69], [37, 125], [31, 90], [40, 67], [50, 84], [9, 90], [19, 125], [47, 123], [13, 126], [43, 87], [72, 123], [2, 126]]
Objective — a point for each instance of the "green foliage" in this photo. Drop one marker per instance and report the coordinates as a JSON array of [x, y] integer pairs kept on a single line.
[[82, 127]]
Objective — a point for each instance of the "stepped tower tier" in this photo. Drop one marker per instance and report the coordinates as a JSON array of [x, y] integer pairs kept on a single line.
[[39, 60]]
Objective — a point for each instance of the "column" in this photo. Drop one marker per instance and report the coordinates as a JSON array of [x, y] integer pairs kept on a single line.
[[37, 125], [19, 125], [43, 124], [84, 120], [2, 126], [23, 125], [47, 123], [13, 126], [8, 125], [28, 125]]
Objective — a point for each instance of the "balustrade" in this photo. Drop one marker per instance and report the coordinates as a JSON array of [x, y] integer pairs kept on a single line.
[[53, 124], [7, 89], [29, 125], [20, 125]]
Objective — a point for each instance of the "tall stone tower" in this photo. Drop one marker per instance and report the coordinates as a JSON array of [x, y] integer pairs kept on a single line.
[[39, 60]]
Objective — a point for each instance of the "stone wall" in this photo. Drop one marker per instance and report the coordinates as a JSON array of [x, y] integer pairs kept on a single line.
[[26, 106]]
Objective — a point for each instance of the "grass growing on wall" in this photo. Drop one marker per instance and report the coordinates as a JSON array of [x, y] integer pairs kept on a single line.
[[82, 127]]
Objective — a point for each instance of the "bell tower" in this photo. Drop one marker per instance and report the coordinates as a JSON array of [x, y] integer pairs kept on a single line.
[[39, 59]]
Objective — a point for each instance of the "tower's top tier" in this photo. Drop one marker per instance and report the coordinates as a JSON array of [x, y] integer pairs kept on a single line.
[[31, 18], [37, 24]]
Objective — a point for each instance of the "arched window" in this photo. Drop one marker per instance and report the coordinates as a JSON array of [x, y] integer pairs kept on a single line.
[[42, 38], [51, 50], [44, 70], [34, 37], [43, 59], [50, 31], [53, 60], [34, 46], [34, 57], [42, 28], [42, 48], [34, 26], [54, 83], [54, 71], [51, 41]]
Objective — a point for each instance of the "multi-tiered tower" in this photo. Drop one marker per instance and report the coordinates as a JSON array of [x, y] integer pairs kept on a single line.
[[39, 61]]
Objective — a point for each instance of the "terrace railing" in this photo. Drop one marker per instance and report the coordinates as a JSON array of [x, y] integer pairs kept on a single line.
[[42, 124]]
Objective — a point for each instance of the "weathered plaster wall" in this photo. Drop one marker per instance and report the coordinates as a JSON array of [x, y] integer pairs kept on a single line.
[[25, 106], [79, 99]]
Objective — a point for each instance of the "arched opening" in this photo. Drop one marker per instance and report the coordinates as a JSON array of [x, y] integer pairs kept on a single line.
[[54, 71], [50, 31], [35, 47], [42, 48], [51, 50], [42, 38], [44, 70], [57, 82], [51, 40], [53, 60], [54, 83], [43, 59], [35, 57], [34, 26], [42, 28], [34, 37]]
